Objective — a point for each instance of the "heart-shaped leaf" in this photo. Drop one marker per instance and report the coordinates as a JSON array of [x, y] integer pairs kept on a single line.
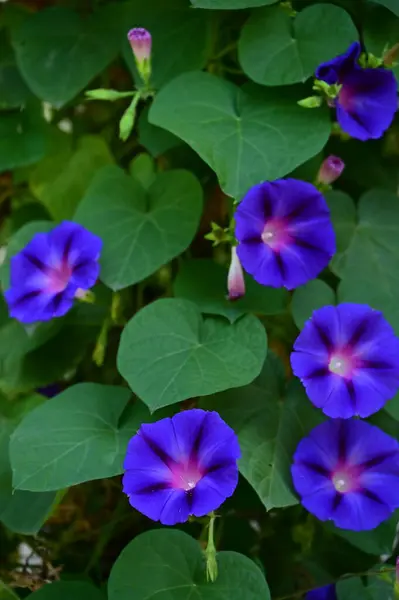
[[59, 53], [230, 4], [169, 352], [274, 49], [141, 230], [369, 268], [76, 436], [269, 429], [169, 564], [246, 137], [205, 282]]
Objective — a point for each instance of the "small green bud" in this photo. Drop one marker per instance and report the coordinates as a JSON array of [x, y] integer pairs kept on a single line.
[[127, 121], [110, 95], [210, 552], [101, 344], [311, 102]]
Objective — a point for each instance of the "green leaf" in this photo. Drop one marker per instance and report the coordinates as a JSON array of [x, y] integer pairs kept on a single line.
[[369, 268], [22, 138], [79, 435], [155, 139], [376, 542], [143, 169], [68, 590], [269, 423], [166, 564], [60, 180], [308, 298], [230, 4], [22, 512], [381, 32], [6, 593], [377, 588], [141, 230], [391, 4], [205, 282], [13, 90], [275, 49], [59, 52], [343, 216], [246, 137], [169, 352], [179, 36]]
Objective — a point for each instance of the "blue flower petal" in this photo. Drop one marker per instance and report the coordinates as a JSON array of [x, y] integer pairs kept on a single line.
[[367, 103]]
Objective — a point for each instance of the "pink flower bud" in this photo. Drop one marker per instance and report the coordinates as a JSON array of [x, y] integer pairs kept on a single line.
[[140, 41], [235, 278], [397, 569], [330, 170]]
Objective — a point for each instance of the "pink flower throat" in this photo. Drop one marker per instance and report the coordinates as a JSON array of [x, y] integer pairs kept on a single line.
[[275, 234], [345, 479], [186, 477], [58, 278], [342, 363]]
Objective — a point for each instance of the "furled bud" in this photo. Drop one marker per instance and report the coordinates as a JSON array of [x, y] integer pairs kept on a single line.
[[330, 170], [235, 278], [141, 42]]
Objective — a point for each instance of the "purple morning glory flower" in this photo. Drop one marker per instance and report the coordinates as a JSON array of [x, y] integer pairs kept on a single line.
[[326, 592], [284, 232], [181, 466], [347, 471], [48, 273], [347, 357], [367, 100]]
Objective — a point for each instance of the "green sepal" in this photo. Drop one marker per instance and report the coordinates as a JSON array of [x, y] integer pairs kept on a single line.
[[331, 91], [219, 235], [369, 61]]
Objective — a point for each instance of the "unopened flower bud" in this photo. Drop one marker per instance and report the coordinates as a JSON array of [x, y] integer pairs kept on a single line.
[[311, 102], [330, 170], [141, 42], [235, 278]]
